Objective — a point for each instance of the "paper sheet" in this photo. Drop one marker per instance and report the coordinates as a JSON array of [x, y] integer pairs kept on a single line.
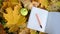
[[37, 17]]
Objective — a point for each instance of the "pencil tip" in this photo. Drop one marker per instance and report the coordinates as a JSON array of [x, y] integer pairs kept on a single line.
[[41, 26]]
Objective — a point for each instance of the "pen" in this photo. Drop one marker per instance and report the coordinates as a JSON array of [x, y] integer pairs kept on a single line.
[[38, 20]]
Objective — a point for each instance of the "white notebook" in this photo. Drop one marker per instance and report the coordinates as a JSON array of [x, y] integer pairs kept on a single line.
[[50, 21]]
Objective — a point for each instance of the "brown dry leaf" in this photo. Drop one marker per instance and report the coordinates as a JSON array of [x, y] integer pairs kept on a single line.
[[25, 31], [44, 3], [32, 32]]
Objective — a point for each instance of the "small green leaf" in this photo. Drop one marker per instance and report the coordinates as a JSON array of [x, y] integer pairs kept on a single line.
[[24, 11]]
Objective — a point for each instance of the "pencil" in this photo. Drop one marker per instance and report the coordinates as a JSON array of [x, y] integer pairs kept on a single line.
[[38, 20]]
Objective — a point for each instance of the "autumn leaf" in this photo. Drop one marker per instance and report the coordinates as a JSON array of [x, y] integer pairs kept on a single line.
[[32, 31], [58, 3], [43, 3], [14, 1], [14, 18]]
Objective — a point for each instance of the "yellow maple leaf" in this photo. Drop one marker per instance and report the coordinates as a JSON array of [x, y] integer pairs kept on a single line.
[[14, 18]]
